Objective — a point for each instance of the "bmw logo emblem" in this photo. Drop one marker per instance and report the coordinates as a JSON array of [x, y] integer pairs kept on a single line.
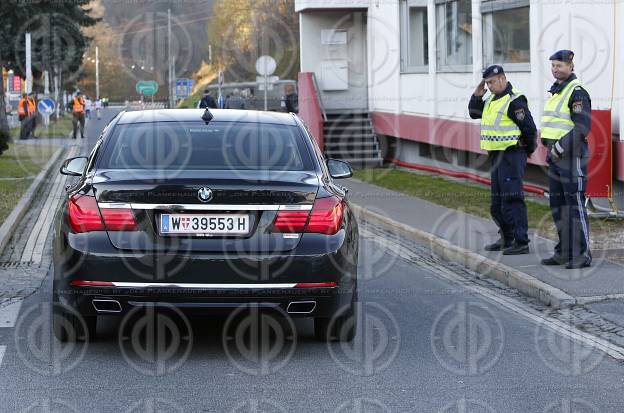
[[204, 194]]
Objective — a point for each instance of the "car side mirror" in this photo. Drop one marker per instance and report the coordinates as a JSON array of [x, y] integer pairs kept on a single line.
[[74, 166], [339, 169]]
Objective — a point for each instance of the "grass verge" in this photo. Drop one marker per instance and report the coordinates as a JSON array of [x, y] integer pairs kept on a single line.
[[57, 129], [18, 167]]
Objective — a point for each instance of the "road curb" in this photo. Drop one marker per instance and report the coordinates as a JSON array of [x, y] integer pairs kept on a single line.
[[12, 221], [509, 276]]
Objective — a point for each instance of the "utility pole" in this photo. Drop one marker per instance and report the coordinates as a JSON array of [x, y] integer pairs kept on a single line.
[[170, 70], [97, 73], [29, 80], [56, 91]]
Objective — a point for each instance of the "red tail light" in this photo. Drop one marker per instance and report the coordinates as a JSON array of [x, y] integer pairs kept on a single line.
[[316, 285], [84, 216], [291, 221], [325, 218], [83, 283], [119, 219]]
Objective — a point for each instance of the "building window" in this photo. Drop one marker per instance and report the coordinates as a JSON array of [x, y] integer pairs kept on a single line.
[[414, 36], [454, 35], [506, 33]]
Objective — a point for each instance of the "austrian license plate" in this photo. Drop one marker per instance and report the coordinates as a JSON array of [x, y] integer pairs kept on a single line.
[[221, 224]]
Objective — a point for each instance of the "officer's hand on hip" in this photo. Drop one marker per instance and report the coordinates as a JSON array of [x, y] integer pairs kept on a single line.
[[553, 153], [480, 90]]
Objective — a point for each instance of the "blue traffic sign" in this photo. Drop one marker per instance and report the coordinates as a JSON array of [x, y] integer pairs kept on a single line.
[[46, 106], [184, 87]]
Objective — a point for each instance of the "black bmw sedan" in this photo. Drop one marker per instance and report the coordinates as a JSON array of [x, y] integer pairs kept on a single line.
[[206, 212]]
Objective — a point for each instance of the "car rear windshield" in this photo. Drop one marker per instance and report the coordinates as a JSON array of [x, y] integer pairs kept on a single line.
[[197, 146]]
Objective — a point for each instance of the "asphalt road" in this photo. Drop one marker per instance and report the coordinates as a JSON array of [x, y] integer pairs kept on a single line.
[[425, 343]]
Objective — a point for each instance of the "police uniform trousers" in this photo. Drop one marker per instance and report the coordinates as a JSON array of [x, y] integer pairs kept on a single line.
[[507, 205], [567, 181]]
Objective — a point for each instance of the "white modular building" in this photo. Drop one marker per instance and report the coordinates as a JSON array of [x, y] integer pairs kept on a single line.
[[409, 68]]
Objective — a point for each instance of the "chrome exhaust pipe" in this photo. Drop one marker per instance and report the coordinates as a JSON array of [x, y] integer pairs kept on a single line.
[[106, 306], [301, 307]]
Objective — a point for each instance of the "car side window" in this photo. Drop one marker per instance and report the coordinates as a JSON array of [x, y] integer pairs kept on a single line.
[[318, 152], [92, 155]]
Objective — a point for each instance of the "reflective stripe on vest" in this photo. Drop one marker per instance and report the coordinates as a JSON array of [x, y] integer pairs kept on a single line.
[[557, 119], [30, 102], [499, 131]]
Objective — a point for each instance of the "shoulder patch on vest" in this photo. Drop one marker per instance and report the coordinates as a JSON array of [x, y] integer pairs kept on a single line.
[[520, 115], [577, 107]]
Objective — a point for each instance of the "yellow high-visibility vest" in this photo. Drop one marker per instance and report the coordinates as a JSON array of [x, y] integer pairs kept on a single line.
[[499, 131], [557, 119]]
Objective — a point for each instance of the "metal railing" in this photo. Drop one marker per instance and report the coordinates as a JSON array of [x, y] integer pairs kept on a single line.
[[319, 96]]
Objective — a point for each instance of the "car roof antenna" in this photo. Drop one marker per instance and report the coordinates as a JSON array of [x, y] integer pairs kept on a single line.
[[207, 116]]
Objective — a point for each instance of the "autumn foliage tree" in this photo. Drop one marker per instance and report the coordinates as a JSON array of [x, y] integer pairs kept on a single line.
[[240, 31]]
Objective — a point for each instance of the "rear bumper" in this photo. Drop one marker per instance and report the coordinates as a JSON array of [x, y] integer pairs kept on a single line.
[[90, 301], [205, 283]]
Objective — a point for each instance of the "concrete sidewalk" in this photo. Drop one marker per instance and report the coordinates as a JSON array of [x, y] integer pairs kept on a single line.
[[460, 237]]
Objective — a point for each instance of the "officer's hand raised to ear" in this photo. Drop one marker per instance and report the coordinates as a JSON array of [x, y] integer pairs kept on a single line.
[[480, 90]]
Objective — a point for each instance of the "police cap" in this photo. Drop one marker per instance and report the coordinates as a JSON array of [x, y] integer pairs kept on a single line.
[[563, 56], [493, 71]]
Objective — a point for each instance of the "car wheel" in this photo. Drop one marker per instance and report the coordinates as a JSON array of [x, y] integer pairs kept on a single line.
[[68, 327], [341, 327]]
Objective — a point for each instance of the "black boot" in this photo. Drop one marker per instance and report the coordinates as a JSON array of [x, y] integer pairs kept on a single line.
[[554, 260], [499, 245], [516, 249], [578, 262]]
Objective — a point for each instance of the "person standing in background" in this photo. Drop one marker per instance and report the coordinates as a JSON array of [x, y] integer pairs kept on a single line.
[[78, 112], [235, 101], [98, 108], [87, 105]]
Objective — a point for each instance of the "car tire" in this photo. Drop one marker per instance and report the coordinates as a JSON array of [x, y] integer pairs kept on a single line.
[[68, 327], [342, 327]]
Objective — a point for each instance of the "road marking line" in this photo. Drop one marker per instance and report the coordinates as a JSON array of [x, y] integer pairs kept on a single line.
[[2, 351], [508, 303], [9, 314]]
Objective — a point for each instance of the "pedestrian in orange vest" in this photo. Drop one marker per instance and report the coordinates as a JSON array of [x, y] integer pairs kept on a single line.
[[23, 110], [78, 110]]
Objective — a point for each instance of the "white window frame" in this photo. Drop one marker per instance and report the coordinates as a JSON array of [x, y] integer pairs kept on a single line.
[[443, 67], [405, 28], [488, 7]]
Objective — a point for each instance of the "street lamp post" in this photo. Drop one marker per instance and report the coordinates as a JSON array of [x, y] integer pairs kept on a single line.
[[97, 73]]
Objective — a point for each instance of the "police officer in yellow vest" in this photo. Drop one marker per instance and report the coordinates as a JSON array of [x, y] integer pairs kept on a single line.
[[508, 134], [565, 126]]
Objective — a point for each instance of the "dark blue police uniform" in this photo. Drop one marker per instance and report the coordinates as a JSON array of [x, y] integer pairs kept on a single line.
[[568, 180], [507, 206]]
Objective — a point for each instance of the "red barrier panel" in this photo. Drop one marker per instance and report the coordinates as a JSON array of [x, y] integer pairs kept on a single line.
[[600, 168], [619, 159], [310, 108], [464, 136]]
